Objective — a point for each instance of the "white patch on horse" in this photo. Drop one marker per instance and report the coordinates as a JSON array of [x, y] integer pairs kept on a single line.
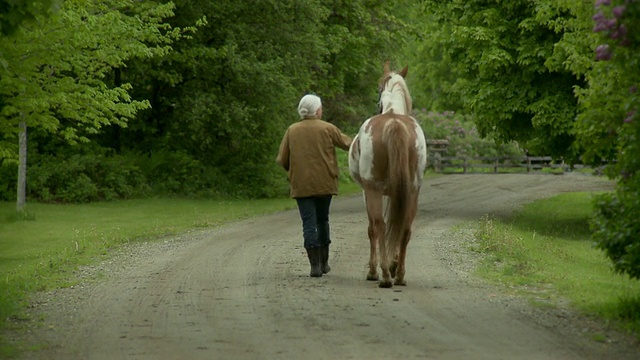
[[354, 161], [366, 152], [361, 156], [421, 148]]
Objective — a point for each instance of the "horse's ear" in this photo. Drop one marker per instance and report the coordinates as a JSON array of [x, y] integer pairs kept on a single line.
[[386, 67], [404, 71]]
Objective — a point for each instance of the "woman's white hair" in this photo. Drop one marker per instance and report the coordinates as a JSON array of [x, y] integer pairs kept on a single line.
[[309, 105]]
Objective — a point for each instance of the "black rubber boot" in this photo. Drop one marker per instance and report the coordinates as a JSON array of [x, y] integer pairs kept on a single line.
[[324, 261], [314, 255]]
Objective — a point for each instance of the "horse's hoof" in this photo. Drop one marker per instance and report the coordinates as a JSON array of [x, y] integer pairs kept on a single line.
[[400, 283], [372, 277], [385, 284]]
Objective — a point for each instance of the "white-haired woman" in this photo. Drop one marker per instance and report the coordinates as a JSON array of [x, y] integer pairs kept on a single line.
[[307, 152]]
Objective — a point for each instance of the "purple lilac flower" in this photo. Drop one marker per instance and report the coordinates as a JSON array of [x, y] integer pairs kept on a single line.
[[618, 11], [603, 52], [633, 89], [603, 2], [599, 17], [630, 116], [619, 33], [603, 23]]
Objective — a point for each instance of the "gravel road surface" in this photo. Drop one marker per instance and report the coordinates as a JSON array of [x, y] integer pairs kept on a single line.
[[242, 291]]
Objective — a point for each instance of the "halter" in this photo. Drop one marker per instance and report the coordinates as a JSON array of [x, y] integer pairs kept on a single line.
[[381, 86]]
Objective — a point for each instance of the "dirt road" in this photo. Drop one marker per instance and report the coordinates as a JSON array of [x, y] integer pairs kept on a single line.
[[242, 291]]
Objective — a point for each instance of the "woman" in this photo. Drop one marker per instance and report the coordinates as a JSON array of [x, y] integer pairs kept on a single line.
[[307, 153]]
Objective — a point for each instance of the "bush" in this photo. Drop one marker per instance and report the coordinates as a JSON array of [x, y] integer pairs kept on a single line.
[[615, 228], [172, 173], [96, 175], [462, 134], [83, 178]]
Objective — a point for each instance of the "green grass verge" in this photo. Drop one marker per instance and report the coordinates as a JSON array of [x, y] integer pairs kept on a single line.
[[545, 251]]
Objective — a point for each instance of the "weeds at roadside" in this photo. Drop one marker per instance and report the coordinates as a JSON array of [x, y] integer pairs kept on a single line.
[[628, 310], [544, 253], [22, 215], [506, 253]]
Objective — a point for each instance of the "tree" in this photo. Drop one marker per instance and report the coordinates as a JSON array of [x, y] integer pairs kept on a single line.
[[57, 73], [608, 130], [516, 65]]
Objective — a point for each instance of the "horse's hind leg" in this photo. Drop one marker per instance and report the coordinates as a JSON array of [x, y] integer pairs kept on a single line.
[[373, 201], [400, 269], [402, 254], [373, 254], [384, 263], [393, 268]]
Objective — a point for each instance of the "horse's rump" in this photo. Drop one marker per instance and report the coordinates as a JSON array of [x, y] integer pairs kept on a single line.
[[371, 138]]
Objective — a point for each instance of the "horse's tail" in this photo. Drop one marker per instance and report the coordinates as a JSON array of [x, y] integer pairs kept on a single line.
[[396, 137]]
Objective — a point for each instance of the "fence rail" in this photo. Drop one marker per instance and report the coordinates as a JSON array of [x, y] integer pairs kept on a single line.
[[494, 163], [484, 164]]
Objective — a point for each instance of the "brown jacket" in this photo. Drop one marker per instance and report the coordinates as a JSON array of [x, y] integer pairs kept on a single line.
[[307, 152]]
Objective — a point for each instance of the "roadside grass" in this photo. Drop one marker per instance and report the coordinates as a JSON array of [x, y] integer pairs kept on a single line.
[[545, 252]]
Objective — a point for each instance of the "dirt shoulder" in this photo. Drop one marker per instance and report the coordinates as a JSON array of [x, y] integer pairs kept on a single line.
[[242, 291]]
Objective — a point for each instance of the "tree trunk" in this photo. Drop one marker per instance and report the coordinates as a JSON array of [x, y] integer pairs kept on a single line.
[[22, 167]]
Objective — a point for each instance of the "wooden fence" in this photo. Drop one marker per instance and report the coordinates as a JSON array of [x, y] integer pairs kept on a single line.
[[454, 164], [491, 164]]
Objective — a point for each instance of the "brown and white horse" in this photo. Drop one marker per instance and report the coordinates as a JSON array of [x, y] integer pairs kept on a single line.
[[388, 158]]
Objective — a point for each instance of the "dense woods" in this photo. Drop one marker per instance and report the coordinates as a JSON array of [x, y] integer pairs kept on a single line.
[[129, 98]]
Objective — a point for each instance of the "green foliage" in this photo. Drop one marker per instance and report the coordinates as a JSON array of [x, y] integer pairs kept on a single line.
[[464, 139], [84, 178], [9, 176], [615, 228], [609, 129], [514, 65]]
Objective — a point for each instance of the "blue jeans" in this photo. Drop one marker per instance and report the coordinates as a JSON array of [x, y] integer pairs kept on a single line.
[[314, 212]]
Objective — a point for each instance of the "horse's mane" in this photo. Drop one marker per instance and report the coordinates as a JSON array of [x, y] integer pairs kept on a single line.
[[395, 95]]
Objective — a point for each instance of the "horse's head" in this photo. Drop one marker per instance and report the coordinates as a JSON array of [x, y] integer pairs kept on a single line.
[[386, 85]]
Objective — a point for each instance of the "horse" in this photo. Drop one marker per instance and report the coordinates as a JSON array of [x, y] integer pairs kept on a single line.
[[388, 158]]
